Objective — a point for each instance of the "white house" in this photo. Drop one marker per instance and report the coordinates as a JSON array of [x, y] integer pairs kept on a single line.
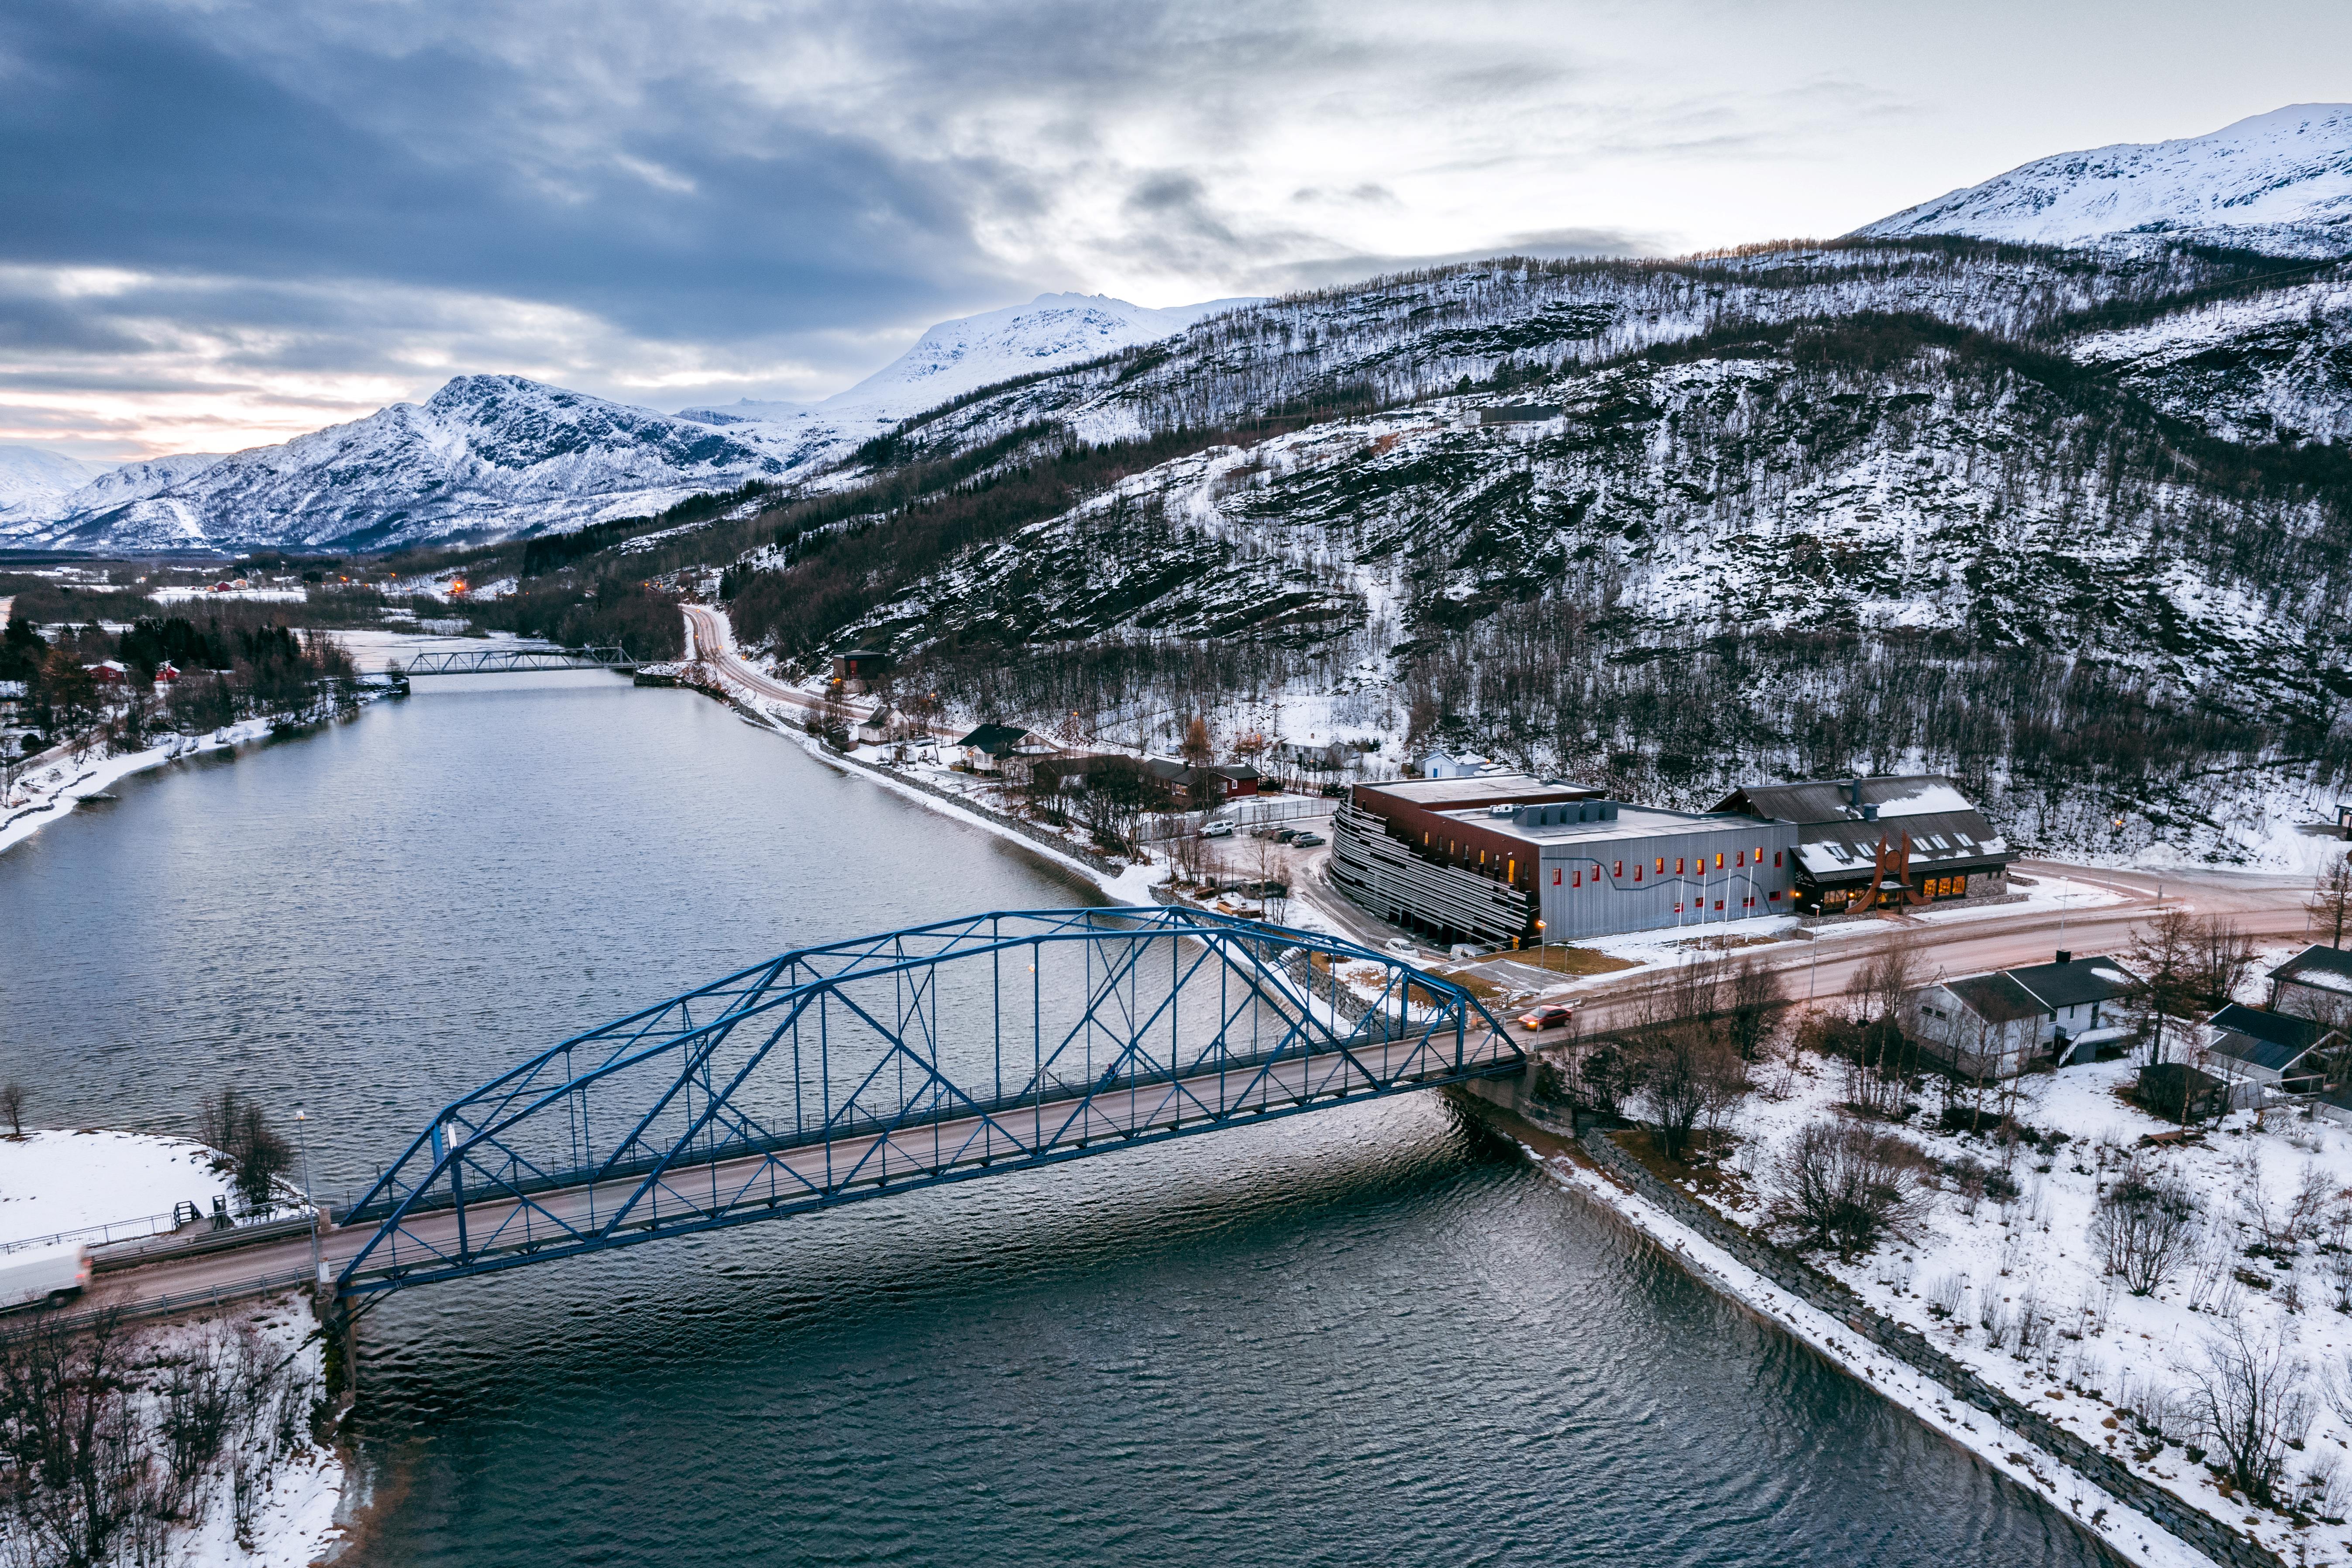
[[1452, 766], [1980, 1025], [2086, 1000]]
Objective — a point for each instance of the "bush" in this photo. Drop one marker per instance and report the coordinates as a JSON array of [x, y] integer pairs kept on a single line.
[[233, 1123], [1847, 1186], [2147, 1225]]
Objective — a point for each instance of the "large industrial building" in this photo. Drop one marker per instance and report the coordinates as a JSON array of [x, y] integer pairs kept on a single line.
[[1505, 858], [1485, 858]]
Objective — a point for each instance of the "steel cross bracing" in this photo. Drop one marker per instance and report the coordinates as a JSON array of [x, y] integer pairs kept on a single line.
[[935, 1054], [501, 661]]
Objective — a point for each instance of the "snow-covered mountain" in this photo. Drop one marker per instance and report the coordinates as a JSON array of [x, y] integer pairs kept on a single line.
[[32, 480], [490, 456], [2032, 519], [2280, 182], [960, 356], [498, 456]]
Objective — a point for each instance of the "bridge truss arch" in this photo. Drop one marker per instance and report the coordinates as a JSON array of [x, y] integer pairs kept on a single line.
[[938, 1053], [517, 661]]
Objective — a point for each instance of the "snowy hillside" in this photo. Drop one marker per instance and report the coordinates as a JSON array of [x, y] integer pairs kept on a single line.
[[2275, 367], [2038, 521], [2280, 181], [486, 456], [32, 480]]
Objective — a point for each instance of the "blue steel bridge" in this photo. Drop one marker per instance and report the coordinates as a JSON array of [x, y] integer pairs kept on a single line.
[[941, 1053]]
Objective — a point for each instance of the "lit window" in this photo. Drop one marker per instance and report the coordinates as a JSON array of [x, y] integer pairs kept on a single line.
[[1759, 854], [1662, 865], [1678, 870], [1637, 871], [1621, 870], [1718, 866]]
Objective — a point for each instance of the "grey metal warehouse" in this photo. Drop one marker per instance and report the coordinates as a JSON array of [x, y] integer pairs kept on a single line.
[[1485, 858]]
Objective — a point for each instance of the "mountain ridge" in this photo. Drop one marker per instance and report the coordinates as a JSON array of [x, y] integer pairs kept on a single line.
[[2279, 183]]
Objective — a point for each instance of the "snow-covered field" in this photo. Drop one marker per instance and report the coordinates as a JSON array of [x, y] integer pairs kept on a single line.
[[66, 1179]]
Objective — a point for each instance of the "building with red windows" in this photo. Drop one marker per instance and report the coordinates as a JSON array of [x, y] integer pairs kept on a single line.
[[1485, 859]]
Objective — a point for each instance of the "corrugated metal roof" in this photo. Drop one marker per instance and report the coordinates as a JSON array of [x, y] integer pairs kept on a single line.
[[2272, 1040]]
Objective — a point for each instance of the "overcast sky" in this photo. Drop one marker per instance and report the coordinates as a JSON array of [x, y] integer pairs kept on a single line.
[[223, 222]]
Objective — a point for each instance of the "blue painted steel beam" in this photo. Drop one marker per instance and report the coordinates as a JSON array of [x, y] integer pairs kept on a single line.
[[1246, 1025]]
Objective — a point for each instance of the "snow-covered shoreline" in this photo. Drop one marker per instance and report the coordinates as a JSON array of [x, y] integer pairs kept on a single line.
[[49, 790], [2129, 1532]]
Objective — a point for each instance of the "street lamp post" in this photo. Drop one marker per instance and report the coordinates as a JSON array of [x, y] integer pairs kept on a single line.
[[302, 1131]]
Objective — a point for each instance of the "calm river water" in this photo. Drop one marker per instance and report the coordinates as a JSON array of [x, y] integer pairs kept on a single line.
[[1370, 1336]]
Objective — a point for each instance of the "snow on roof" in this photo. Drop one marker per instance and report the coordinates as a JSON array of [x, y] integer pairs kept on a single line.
[[2327, 967]]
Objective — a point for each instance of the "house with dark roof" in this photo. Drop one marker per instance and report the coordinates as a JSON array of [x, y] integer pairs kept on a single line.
[[2315, 984], [1202, 788], [2266, 1052], [2086, 1000], [1995, 1025], [1867, 842], [1003, 749]]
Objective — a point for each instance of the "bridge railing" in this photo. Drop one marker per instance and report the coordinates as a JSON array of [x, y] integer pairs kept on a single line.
[[1032, 1034]]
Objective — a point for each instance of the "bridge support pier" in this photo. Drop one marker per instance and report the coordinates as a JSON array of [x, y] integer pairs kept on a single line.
[[341, 1339]]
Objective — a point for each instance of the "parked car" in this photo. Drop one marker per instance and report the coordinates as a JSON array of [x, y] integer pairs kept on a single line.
[[1284, 835], [1544, 1018], [1308, 841], [1401, 944], [1217, 830], [43, 1275]]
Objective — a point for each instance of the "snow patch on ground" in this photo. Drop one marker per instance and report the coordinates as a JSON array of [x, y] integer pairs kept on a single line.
[[59, 1180]]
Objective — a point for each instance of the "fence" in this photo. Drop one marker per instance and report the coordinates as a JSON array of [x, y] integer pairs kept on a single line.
[[1250, 811], [102, 1234], [19, 1326]]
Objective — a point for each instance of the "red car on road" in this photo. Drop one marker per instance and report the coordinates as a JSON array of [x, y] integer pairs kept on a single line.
[[1544, 1018]]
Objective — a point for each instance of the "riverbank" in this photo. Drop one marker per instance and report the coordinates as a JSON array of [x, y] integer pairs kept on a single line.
[[1121, 882], [2114, 1524], [54, 781]]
